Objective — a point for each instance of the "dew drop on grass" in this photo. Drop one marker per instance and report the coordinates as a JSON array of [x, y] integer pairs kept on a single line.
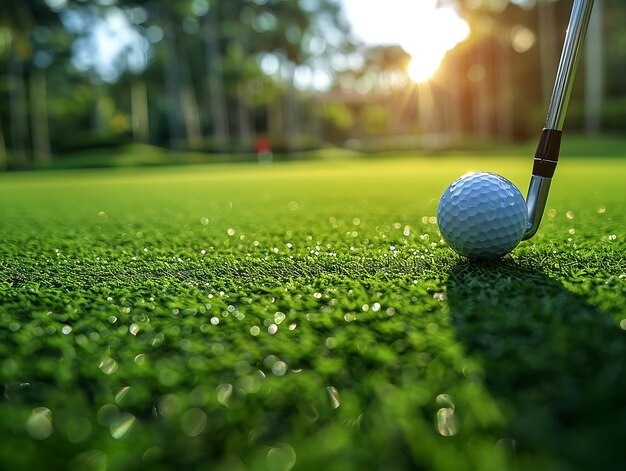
[[108, 366], [121, 394], [269, 360], [121, 425], [446, 419], [281, 457], [152, 455], [249, 384], [446, 422], [39, 423], [445, 400], [224, 393], [107, 414], [272, 329], [169, 406], [169, 377], [255, 330], [90, 459], [333, 395], [193, 422], [279, 368]]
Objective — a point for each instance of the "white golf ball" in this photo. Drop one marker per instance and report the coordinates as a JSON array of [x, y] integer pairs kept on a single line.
[[482, 215]]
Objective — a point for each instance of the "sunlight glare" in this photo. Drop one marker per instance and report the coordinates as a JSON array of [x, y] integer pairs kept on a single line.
[[425, 29], [437, 30], [421, 68]]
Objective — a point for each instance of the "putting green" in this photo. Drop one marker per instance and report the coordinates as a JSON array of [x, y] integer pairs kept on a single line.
[[307, 315]]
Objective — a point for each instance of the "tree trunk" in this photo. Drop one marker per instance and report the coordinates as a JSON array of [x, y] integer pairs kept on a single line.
[[275, 120], [39, 115], [292, 114], [243, 117], [481, 95], [505, 85], [314, 126], [548, 52], [171, 76], [101, 112], [139, 111], [454, 113], [17, 110], [217, 97], [191, 114], [594, 71], [3, 150]]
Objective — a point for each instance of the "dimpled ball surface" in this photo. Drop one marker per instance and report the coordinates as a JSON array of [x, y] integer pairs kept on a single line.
[[482, 215]]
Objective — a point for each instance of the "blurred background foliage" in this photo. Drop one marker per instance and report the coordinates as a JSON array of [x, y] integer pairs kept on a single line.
[[214, 75]]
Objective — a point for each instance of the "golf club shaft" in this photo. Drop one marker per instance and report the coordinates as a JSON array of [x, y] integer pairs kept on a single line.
[[547, 154]]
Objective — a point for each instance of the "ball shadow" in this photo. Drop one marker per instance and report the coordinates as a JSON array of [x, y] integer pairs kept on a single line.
[[554, 362]]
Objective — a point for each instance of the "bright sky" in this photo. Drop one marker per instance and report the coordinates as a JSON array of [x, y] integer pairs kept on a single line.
[[423, 30]]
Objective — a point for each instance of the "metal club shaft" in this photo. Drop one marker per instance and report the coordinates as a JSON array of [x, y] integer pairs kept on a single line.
[[547, 154]]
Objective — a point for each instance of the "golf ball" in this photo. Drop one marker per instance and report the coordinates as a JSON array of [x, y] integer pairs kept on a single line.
[[482, 215]]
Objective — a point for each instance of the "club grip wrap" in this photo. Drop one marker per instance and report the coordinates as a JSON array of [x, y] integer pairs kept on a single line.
[[547, 154]]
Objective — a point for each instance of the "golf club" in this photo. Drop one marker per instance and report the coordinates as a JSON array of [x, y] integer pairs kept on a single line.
[[547, 154]]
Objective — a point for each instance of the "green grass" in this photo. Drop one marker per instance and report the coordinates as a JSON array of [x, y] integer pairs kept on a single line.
[[308, 315]]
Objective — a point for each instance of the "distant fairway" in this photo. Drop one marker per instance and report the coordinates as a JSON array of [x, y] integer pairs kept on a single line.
[[307, 315]]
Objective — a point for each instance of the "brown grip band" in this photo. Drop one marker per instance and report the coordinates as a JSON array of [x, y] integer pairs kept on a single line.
[[547, 155]]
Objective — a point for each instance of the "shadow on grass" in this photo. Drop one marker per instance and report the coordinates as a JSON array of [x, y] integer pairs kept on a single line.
[[556, 364]]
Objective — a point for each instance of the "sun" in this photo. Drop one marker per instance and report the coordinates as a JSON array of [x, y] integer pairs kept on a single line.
[[420, 69], [438, 31], [426, 29]]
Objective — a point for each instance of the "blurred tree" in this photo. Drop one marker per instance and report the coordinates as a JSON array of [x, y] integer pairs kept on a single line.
[[3, 149], [594, 70], [548, 50], [16, 18], [215, 77], [35, 36]]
